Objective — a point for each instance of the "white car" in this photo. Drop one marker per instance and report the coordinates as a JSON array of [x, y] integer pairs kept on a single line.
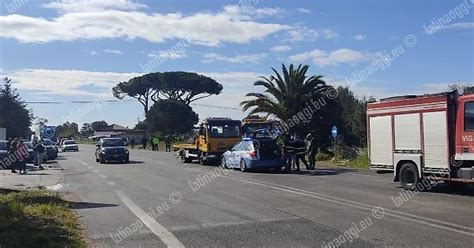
[[69, 145]]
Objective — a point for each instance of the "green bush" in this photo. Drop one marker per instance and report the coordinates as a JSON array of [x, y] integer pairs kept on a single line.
[[323, 155], [361, 161]]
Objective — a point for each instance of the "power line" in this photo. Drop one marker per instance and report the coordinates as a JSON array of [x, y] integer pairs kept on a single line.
[[119, 101]]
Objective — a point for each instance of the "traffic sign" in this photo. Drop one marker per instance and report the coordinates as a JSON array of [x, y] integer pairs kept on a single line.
[[334, 131]]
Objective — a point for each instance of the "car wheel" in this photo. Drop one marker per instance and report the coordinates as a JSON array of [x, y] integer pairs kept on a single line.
[[127, 159], [409, 177], [101, 160], [201, 160], [243, 166], [96, 159], [224, 163], [184, 159]]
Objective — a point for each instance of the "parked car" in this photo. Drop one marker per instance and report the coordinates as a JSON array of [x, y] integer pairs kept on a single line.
[[51, 149], [70, 145], [31, 152], [111, 149], [254, 153], [3, 151]]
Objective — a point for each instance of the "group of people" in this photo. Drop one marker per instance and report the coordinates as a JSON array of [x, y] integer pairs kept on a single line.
[[18, 152], [296, 149], [155, 142]]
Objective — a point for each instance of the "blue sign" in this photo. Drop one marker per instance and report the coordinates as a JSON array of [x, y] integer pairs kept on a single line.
[[334, 131]]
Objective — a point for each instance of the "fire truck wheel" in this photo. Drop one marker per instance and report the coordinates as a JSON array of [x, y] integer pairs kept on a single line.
[[409, 177]]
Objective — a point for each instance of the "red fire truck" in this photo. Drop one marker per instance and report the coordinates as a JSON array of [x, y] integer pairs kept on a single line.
[[423, 137]]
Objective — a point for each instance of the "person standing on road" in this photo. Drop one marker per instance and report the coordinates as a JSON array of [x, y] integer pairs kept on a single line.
[[9, 144], [132, 143], [22, 155], [156, 142], [312, 150], [39, 151], [13, 148], [300, 153], [168, 143], [144, 143], [288, 153]]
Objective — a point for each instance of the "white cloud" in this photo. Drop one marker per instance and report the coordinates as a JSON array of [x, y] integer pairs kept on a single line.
[[302, 33], [113, 51], [304, 10], [94, 5], [67, 82], [200, 28], [459, 25], [249, 12], [279, 49], [93, 52], [167, 54], [359, 37], [340, 56], [329, 34], [238, 59]]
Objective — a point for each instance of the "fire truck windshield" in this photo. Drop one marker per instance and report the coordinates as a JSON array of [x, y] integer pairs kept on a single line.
[[469, 116]]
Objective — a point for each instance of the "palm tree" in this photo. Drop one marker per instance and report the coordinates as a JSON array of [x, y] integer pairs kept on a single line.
[[285, 95]]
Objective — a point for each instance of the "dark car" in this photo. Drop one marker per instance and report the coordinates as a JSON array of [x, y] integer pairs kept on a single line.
[[111, 149], [3, 152], [51, 149], [31, 152]]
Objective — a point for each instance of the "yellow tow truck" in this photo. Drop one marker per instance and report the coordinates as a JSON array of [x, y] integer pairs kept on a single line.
[[216, 136]]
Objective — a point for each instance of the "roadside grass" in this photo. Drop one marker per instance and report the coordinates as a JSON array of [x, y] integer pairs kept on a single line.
[[37, 219], [361, 161]]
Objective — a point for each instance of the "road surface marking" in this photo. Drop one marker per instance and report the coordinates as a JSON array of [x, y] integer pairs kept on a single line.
[[401, 215], [160, 231], [54, 187], [111, 183], [103, 176], [95, 171]]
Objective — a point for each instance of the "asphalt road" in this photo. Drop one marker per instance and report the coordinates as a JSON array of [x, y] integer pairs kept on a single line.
[[156, 201]]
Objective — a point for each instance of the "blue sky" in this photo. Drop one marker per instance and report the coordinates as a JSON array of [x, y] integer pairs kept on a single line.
[[65, 50]]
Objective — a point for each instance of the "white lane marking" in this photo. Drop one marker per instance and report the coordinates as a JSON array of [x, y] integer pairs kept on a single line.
[[160, 231], [401, 215], [54, 187], [103, 176], [111, 183], [95, 171]]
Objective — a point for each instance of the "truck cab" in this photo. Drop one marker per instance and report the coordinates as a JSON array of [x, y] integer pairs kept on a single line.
[[465, 129], [216, 136]]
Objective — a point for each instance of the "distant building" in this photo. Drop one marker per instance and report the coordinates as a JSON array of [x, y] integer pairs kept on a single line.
[[117, 131]]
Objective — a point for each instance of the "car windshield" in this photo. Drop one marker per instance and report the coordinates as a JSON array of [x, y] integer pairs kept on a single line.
[[224, 130], [70, 142], [112, 143], [250, 128]]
